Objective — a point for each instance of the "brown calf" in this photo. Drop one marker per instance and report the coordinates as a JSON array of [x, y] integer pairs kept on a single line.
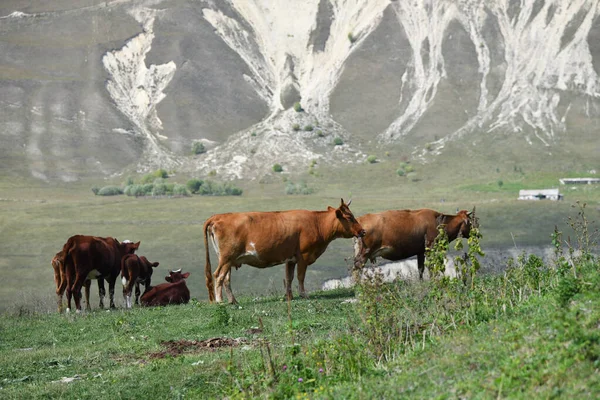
[[135, 270], [173, 292]]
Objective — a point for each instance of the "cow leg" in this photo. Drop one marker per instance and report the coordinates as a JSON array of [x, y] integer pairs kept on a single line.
[[86, 286], [76, 291], [60, 290], [219, 276], [228, 291], [101, 292], [138, 292], [301, 275], [290, 266], [421, 264], [111, 290]]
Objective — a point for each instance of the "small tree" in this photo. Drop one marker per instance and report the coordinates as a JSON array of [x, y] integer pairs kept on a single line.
[[372, 159], [277, 168], [338, 141], [198, 148], [298, 107], [194, 185]]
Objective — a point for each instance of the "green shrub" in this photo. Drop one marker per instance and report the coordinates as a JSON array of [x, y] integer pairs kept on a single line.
[[161, 173], [401, 172], [148, 178], [338, 141], [308, 128], [180, 190], [298, 107], [134, 190], [300, 188], [160, 189], [128, 181], [372, 159], [351, 37], [198, 148], [210, 188], [320, 133], [147, 188], [500, 183], [110, 191], [296, 127], [409, 168], [194, 184], [95, 190], [277, 168]]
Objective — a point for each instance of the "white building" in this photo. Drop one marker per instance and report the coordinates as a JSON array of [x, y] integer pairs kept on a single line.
[[540, 194], [585, 181]]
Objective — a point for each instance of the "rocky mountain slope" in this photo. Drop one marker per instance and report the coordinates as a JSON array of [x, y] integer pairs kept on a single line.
[[89, 87]]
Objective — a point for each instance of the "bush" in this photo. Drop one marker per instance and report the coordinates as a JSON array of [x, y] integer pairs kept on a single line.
[[308, 128], [160, 173], [210, 188], [296, 127], [338, 141], [198, 148], [277, 168], [160, 189], [401, 172], [134, 190], [372, 159], [298, 107], [128, 181], [409, 168], [351, 37], [148, 178], [320, 133], [95, 190], [110, 191], [180, 190], [300, 188], [194, 185]]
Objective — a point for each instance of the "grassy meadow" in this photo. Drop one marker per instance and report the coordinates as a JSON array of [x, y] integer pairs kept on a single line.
[[528, 331]]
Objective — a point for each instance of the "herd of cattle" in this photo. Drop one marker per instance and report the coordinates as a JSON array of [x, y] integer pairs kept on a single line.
[[259, 239]]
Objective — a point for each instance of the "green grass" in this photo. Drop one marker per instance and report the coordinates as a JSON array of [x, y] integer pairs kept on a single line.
[[509, 337]]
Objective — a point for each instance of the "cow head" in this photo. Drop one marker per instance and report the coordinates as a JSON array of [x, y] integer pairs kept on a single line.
[[129, 247], [466, 222], [350, 226], [176, 276]]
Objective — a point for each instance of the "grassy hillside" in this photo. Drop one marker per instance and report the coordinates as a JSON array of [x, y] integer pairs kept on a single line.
[[529, 332], [36, 219]]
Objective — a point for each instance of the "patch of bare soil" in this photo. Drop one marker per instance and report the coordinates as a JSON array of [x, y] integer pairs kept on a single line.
[[176, 347]]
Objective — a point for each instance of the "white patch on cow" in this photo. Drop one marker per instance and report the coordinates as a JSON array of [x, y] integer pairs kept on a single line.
[[128, 301], [124, 281], [215, 242], [68, 310], [93, 274]]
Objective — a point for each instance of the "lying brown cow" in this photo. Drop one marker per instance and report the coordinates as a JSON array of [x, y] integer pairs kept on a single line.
[[398, 234], [265, 239], [135, 270], [174, 292], [91, 257]]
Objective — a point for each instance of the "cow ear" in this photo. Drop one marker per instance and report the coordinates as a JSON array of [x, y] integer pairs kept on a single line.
[[339, 214], [185, 276], [137, 245], [155, 264], [168, 279]]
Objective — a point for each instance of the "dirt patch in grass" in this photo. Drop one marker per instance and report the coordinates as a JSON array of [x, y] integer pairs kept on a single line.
[[174, 348]]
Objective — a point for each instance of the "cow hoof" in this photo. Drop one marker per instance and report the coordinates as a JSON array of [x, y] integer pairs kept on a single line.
[[78, 311], [68, 311]]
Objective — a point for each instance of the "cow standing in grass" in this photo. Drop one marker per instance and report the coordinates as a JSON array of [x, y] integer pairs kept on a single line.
[[60, 280], [266, 239], [135, 270], [92, 257], [173, 292], [399, 234]]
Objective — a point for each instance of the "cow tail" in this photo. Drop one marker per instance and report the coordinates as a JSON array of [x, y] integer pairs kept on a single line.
[[208, 269], [124, 274]]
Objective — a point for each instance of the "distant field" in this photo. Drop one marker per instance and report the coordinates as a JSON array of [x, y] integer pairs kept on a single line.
[[37, 218]]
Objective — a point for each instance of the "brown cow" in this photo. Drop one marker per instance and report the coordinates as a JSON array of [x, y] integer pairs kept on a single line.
[[174, 292], [60, 280], [91, 257], [398, 234], [135, 270], [265, 239]]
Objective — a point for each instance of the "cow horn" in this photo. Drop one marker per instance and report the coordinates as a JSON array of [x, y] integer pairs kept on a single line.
[[349, 202], [176, 271], [126, 241]]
